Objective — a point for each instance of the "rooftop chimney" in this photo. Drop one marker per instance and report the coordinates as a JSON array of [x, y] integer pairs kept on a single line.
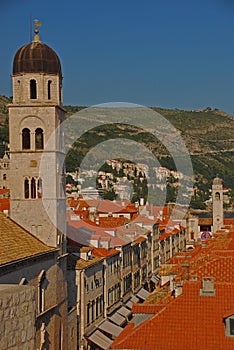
[[185, 270], [85, 253], [207, 287], [178, 289]]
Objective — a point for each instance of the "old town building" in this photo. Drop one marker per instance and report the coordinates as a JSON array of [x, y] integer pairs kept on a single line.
[[33, 248]]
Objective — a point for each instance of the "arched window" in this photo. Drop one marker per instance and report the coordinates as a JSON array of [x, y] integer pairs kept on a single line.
[[41, 291], [49, 89], [217, 196], [39, 188], [33, 188], [33, 89], [39, 141], [4, 177], [26, 138], [26, 188]]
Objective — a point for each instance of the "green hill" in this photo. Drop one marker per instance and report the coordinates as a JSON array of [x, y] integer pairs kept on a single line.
[[4, 133], [208, 135]]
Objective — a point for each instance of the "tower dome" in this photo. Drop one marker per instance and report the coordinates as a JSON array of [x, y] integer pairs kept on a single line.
[[217, 181], [36, 57]]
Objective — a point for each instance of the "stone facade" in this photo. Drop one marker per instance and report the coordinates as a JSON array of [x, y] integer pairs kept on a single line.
[[126, 271], [171, 243], [26, 166], [17, 317], [37, 150], [36, 182], [45, 274], [101, 281], [112, 285], [72, 329], [86, 294]]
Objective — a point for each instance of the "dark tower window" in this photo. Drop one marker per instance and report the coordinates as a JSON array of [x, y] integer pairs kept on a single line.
[[4, 177], [39, 188], [39, 142], [26, 138], [49, 89], [33, 89], [33, 188], [26, 188], [217, 196]]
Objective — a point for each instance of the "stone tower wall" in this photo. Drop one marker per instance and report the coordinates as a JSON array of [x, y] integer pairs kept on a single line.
[[17, 317]]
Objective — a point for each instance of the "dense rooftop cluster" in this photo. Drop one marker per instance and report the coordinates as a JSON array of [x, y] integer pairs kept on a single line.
[[201, 314]]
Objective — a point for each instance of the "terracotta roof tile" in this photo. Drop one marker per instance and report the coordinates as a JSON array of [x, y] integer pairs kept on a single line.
[[16, 243], [82, 264], [4, 191], [103, 252], [146, 308], [112, 222], [4, 204], [189, 322], [140, 239]]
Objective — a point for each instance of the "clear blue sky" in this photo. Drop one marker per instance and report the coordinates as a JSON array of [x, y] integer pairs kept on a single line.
[[174, 54]]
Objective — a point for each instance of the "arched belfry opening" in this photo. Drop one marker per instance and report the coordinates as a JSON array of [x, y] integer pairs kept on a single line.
[[39, 139], [33, 188], [49, 89], [33, 89], [26, 144], [217, 196], [26, 188]]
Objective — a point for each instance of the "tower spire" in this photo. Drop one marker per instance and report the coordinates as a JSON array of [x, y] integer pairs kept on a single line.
[[37, 24]]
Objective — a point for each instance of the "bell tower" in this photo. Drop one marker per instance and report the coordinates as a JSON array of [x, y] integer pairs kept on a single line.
[[35, 117], [217, 200]]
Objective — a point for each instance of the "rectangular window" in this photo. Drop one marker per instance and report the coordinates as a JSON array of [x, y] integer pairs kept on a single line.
[[101, 304], [97, 305], [87, 314], [127, 283], [232, 326], [93, 306]]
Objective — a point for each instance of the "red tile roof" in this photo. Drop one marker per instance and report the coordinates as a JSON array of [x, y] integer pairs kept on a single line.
[[83, 231], [140, 239], [145, 220], [112, 222], [4, 204], [190, 322], [4, 191], [107, 206], [102, 252], [72, 203], [16, 243], [164, 236], [146, 309]]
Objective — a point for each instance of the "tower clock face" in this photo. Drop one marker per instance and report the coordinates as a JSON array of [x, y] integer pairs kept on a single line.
[[218, 219]]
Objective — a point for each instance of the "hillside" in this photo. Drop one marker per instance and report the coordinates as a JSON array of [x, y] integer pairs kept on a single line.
[[208, 135], [4, 137]]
